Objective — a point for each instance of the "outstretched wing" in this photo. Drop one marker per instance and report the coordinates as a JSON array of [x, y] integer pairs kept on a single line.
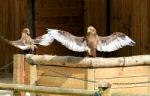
[[70, 41], [44, 40], [17, 43], [113, 42]]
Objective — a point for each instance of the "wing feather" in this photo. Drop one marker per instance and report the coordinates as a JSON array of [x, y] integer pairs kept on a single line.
[[114, 42], [44, 40], [70, 41]]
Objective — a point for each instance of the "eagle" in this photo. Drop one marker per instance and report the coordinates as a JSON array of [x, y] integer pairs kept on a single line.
[[91, 43], [25, 43]]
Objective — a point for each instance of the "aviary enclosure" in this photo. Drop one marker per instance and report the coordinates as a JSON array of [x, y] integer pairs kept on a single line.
[[107, 16]]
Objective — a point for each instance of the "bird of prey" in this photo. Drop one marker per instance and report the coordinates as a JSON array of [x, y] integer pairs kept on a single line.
[[89, 43], [25, 43]]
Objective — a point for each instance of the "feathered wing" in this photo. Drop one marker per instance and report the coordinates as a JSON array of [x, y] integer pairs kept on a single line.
[[114, 42], [18, 43], [70, 41], [44, 40]]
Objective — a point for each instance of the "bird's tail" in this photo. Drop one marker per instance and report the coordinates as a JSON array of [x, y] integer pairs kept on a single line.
[[131, 42], [93, 52], [6, 40]]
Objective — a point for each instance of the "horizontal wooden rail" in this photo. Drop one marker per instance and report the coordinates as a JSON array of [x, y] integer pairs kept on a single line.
[[86, 62], [50, 90]]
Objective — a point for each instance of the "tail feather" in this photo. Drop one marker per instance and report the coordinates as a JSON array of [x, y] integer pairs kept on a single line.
[[6, 40], [132, 43], [93, 52]]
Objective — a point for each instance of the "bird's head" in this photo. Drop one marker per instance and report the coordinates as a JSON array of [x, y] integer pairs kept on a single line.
[[91, 29], [26, 31]]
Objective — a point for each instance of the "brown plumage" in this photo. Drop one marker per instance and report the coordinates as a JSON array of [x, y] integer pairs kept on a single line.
[[92, 41], [25, 43]]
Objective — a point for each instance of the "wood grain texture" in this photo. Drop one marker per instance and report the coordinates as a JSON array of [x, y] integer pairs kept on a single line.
[[65, 15], [12, 14], [87, 62]]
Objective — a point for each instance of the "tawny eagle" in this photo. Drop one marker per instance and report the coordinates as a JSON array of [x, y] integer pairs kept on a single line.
[[25, 43], [90, 43]]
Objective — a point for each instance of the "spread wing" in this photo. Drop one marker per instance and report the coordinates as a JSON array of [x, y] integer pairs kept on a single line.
[[20, 44], [113, 42], [70, 41], [17, 43], [44, 40]]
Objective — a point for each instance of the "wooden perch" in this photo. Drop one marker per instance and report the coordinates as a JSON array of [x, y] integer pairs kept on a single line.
[[86, 62], [51, 90]]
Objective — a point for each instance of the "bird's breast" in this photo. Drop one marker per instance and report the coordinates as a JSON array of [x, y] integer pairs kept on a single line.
[[92, 41]]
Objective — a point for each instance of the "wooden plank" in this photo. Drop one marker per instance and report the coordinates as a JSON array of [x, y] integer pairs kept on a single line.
[[148, 26], [61, 71], [61, 82], [139, 91], [23, 14], [102, 24], [91, 76], [135, 22], [17, 19], [66, 15], [61, 76], [118, 72], [148, 39], [127, 75], [11, 30], [128, 9], [58, 9], [144, 30], [125, 80]]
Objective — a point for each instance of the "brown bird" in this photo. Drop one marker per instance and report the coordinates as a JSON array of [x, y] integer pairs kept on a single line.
[[90, 43], [92, 40], [25, 43]]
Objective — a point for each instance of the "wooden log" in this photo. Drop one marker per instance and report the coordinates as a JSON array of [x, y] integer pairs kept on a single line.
[[86, 62], [43, 89]]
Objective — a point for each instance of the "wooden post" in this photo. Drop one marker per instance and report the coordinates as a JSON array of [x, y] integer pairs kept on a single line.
[[31, 75], [18, 71], [104, 89]]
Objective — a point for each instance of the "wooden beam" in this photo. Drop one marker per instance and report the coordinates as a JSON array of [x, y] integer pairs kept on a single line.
[[86, 62], [43, 89]]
